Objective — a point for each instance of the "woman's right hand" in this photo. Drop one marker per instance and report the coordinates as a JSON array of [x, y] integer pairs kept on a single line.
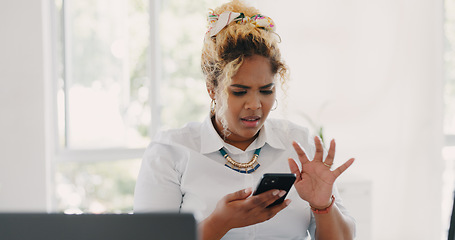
[[239, 210]]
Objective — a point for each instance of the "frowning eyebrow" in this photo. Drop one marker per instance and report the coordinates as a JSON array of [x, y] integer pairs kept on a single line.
[[270, 85]]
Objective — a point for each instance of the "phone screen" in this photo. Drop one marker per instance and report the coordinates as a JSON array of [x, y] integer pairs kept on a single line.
[[281, 181]]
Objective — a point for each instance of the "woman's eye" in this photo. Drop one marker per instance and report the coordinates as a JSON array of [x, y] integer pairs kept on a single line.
[[241, 93], [267, 92]]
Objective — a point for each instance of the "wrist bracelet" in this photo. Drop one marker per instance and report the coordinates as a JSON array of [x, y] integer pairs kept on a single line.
[[325, 210]]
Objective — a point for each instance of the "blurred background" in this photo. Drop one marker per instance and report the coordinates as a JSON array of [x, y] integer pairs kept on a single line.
[[86, 84]]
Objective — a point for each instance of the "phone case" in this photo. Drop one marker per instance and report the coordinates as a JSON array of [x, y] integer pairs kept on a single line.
[[281, 181]]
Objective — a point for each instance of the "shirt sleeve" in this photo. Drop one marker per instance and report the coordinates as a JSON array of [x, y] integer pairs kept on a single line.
[[158, 183]]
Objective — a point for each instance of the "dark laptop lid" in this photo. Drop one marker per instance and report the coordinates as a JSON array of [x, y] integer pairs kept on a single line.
[[40, 226]]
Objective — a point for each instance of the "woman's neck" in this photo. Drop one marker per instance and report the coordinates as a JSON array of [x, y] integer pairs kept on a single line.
[[230, 139], [240, 144]]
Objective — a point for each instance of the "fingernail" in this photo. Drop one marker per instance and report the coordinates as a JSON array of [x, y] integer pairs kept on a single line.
[[282, 193], [247, 190], [287, 202], [276, 192]]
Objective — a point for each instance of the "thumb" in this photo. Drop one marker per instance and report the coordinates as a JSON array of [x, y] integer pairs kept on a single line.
[[239, 195]]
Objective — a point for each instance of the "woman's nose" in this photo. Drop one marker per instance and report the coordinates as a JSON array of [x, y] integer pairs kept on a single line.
[[253, 102]]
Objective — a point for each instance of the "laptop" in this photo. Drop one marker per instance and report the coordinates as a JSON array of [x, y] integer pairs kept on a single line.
[[42, 226]]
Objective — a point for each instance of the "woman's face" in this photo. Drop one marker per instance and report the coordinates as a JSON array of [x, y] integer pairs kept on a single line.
[[251, 95]]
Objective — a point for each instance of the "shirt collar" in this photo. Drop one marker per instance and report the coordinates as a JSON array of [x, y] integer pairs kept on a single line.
[[212, 142], [269, 136]]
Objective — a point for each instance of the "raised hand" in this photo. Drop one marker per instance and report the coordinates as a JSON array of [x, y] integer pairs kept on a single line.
[[315, 182]]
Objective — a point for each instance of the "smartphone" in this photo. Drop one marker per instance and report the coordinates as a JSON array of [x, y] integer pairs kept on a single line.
[[281, 181]]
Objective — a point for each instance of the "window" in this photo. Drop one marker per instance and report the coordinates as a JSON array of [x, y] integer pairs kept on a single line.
[[122, 74], [104, 86]]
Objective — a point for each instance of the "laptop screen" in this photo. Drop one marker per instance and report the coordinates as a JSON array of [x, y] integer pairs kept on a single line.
[[41, 226]]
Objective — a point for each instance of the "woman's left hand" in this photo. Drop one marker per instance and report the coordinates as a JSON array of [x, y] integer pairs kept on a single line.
[[315, 182]]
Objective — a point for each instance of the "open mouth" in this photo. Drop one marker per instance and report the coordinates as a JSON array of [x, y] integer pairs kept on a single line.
[[251, 121]]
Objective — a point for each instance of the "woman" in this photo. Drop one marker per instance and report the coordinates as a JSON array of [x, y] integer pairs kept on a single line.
[[209, 168]]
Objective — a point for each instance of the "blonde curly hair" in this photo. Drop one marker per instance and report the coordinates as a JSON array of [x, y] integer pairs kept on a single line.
[[223, 54]]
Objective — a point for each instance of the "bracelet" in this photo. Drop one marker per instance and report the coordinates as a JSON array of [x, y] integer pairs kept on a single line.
[[325, 210]]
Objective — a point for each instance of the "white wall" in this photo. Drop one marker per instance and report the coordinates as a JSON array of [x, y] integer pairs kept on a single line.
[[375, 65], [23, 180], [371, 73]]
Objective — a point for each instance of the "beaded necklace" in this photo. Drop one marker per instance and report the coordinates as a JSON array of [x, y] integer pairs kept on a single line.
[[248, 167]]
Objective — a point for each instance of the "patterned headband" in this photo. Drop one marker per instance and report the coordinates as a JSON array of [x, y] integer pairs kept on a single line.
[[218, 22]]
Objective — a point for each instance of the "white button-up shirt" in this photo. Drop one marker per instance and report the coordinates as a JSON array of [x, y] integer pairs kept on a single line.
[[184, 171]]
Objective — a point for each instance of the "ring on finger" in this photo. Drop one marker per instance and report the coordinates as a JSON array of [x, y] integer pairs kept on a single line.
[[328, 165]]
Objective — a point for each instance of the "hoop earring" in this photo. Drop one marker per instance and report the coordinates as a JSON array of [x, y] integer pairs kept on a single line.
[[277, 36], [212, 107], [275, 105]]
